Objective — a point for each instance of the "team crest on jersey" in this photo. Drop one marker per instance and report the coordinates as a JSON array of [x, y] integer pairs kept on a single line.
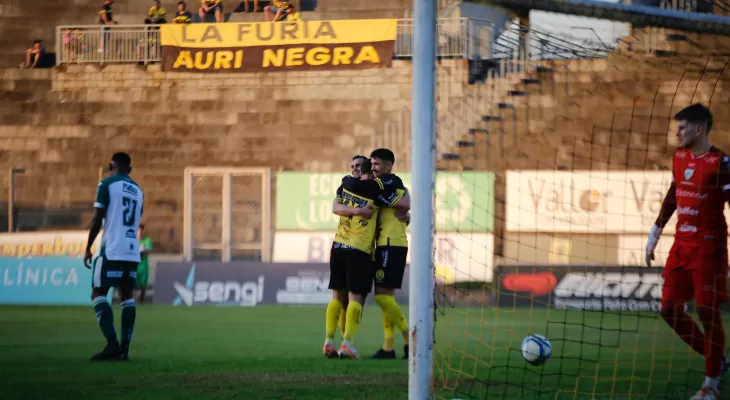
[[688, 173]]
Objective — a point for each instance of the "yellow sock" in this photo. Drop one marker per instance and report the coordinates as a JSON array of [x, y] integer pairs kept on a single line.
[[333, 312], [352, 322], [390, 307], [388, 333], [343, 313]]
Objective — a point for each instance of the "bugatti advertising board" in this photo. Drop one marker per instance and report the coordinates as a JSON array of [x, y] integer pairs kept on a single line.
[[246, 284], [609, 288]]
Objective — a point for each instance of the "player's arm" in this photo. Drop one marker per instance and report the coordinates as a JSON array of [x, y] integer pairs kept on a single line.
[[404, 216], [100, 205], [384, 196], [344, 211], [669, 205]]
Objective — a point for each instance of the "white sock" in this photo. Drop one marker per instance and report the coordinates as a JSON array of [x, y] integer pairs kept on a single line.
[[711, 382]]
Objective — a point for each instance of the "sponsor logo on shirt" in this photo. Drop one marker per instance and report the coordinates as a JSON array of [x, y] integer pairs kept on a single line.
[[688, 211], [688, 228], [691, 194]]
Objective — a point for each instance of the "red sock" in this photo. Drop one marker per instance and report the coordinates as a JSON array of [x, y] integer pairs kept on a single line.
[[685, 327], [714, 339]]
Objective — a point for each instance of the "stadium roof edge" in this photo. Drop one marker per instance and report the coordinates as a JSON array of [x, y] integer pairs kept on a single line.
[[631, 13]]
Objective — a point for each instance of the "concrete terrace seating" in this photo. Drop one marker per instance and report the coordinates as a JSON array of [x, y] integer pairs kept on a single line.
[[61, 125]]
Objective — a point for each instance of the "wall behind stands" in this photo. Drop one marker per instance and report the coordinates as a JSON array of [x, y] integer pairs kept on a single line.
[[75, 116]]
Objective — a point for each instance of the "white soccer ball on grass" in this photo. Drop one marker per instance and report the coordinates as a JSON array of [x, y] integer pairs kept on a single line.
[[536, 349]]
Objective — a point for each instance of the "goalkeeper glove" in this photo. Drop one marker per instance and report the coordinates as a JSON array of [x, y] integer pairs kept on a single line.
[[651, 243]]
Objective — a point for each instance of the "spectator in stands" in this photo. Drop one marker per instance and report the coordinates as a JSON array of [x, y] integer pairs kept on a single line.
[[34, 54], [274, 11], [183, 16], [105, 18], [292, 15], [209, 7], [243, 7], [105, 15], [73, 43], [156, 15]]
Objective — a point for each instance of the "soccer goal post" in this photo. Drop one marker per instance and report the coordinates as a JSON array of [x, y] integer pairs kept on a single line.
[[421, 311]]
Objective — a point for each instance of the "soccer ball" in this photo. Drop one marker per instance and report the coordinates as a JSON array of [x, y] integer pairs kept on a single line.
[[536, 349]]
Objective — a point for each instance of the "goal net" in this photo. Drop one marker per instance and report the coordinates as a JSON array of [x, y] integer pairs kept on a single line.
[[571, 135]]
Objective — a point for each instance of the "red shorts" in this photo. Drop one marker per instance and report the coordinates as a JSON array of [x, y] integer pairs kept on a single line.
[[696, 272]]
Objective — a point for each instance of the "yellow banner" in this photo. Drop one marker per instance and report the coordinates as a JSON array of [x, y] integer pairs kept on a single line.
[[231, 35], [281, 46]]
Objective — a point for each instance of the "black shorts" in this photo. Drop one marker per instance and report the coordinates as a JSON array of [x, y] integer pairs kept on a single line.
[[351, 270], [390, 265], [111, 273]]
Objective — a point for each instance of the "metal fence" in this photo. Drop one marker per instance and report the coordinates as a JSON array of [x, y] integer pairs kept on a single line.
[[227, 214], [141, 43]]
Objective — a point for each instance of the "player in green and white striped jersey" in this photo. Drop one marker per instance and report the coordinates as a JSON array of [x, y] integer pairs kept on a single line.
[[119, 204]]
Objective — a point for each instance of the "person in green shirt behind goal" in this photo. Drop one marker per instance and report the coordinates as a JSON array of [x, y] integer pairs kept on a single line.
[[145, 246]]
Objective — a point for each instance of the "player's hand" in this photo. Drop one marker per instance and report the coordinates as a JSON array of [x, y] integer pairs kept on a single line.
[[649, 257], [403, 216], [87, 259], [365, 212], [651, 243]]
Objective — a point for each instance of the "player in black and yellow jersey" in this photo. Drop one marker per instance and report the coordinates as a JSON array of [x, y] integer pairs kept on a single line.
[[390, 256], [366, 212], [351, 256]]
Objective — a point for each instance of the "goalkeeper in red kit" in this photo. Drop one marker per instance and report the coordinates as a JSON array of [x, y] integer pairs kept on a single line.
[[697, 265]]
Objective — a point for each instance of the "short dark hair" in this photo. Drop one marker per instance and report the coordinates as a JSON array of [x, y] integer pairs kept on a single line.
[[697, 114], [290, 7], [367, 167], [141, 226], [383, 154], [122, 159], [37, 41], [358, 156]]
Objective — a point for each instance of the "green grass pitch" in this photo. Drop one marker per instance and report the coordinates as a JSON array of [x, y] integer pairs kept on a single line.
[[272, 352]]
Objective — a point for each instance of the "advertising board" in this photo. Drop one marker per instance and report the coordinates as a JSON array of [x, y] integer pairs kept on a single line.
[[44, 268], [44, 244], [599, 288], [247, 284], [586, 202], [44, 280], [530, 248], [464, 201], [459, 256]]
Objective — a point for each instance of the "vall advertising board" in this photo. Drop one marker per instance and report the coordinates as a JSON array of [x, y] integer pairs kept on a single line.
[[44, 268], [586, 202]]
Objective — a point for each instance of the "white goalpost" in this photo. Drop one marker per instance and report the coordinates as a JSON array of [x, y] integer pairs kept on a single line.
[[421, 300]]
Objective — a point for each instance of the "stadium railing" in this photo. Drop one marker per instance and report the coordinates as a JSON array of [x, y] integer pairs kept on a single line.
[[77, 44]]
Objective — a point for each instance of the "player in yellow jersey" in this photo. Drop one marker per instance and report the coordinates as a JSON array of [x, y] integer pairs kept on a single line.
[[340, 210], [390, 256], [351, 255]]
